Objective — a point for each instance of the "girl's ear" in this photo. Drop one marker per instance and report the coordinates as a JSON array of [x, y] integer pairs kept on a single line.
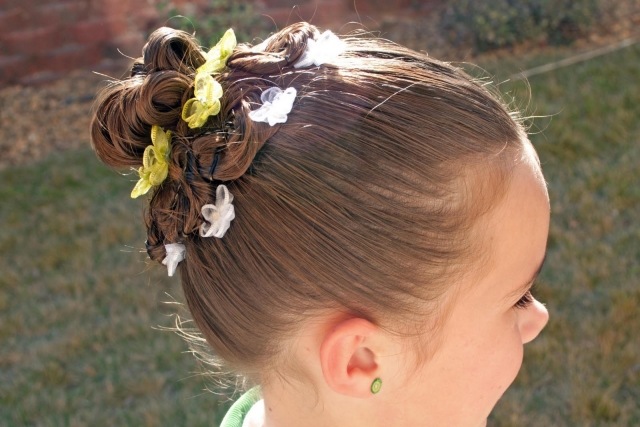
[[348, 357]]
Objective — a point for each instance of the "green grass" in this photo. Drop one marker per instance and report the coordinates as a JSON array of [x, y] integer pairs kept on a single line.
[[584, 370], [80, 307]]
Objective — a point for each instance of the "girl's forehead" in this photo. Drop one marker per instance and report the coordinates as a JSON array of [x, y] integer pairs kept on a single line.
[[516, 229], [530, 157]]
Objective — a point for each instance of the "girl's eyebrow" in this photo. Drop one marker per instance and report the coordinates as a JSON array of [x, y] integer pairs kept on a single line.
[[526, 285]]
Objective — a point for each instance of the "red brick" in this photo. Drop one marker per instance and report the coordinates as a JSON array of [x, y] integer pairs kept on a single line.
[[282, 16], [375, 8], [303, 12], [128, 44], [115, 68], [117, 26], [323, 13], [66, 58], [96, 29], [12, 68], [39, 78], [288, 4], [13, 19], [33, 41], [26, 4], [137, 15], [119, 8], [63, 13], [91, 32], [142, 16]]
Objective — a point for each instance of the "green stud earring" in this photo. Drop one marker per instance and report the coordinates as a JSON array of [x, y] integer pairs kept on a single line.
[[376, 385]]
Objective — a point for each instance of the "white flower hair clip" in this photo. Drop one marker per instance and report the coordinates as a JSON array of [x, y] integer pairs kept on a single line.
[[218, 217], [321, 51], [276, 104], [175, 254]]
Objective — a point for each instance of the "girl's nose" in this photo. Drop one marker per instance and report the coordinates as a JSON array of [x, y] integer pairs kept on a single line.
[[532, 321]]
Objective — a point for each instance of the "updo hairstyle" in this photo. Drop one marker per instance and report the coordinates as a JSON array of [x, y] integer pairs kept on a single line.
[[362, 202]]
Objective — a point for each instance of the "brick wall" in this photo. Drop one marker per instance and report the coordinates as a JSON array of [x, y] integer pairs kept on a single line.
[[42, 40]]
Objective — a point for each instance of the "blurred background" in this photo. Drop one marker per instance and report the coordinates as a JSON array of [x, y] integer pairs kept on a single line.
[[84, 317]]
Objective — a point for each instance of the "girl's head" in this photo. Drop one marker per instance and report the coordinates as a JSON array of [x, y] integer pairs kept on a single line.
[[397, 191]]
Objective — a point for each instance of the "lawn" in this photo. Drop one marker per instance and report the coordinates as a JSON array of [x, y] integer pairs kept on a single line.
[[83, 312], [584, 370]]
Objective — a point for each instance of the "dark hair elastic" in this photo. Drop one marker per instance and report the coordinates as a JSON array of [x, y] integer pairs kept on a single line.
[[214, 164], [149, 247], [193, 167], [138, 68]]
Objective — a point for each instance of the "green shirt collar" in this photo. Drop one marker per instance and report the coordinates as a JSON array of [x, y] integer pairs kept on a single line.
[[239, 409]]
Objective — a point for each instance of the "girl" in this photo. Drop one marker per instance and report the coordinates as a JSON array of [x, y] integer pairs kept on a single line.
[[357, 226]]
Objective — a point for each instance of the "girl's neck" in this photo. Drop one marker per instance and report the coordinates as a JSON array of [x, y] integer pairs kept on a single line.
[[292, 406]]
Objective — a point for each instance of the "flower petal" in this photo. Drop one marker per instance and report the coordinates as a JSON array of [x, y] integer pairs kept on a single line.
[[160, 139], [321, 51], [175, 253], [141, 187], [218, 55], [158, 174], [218, 217], [155, 164], [277, 104], [206, 102]]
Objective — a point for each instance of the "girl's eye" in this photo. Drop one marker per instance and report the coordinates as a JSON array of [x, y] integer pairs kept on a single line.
[[525, 301]]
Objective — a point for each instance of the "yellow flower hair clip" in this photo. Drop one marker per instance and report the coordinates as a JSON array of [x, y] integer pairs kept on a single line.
[[218, 55], [208, 91], [155, 162], [206, 103]]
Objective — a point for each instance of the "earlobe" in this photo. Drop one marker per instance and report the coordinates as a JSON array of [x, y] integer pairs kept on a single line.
[[348, 357]]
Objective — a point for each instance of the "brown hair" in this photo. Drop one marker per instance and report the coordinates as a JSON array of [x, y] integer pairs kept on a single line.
[[357, 203]]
